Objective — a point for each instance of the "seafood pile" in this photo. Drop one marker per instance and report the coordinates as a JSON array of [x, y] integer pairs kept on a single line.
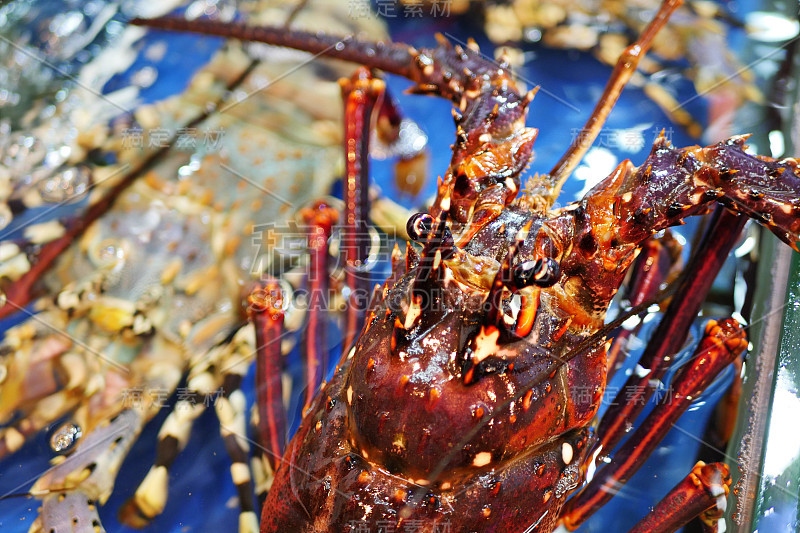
[[188, 183]]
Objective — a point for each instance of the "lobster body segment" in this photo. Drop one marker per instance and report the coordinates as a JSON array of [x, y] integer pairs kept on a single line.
[[451, 372]]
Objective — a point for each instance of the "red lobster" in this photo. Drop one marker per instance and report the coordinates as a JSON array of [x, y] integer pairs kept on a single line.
[[455, 403]]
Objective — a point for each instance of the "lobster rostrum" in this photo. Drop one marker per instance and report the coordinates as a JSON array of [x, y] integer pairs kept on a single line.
[[456, 403]]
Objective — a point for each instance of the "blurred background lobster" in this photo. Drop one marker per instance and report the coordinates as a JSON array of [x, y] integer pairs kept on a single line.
[[130, 232], [519, 282]]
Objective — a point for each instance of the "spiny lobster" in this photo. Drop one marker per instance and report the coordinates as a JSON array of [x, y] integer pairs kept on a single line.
[[455, 403]]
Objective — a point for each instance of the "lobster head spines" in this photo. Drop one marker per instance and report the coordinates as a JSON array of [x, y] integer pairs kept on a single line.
[[606, 229], [449, 349], [492, 145], [486, 180], [492, 148]]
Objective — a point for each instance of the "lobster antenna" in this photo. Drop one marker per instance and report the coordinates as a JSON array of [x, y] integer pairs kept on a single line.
[[623, 70], [389, 57]]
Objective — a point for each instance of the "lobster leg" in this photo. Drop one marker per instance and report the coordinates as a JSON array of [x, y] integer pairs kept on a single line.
[[361, 94], [265, 308], [320, 219], [92, 467], [231, 411], [721, 344], [672, 330], [652, 268], [702, 493], [72, 490], [150, 497], [215, 379]]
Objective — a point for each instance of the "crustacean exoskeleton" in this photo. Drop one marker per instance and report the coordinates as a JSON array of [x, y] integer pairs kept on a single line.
[[455, 406]]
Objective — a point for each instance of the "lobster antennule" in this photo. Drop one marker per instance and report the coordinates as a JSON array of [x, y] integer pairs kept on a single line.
[[438, 247], [504, 279]]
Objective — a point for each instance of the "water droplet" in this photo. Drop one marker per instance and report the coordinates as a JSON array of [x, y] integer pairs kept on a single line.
[[69, 185], [22, 153], [109, 251], [65, 437]]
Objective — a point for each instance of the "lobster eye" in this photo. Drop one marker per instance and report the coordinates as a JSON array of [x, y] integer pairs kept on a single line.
[[419, 226], [542, 272]]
